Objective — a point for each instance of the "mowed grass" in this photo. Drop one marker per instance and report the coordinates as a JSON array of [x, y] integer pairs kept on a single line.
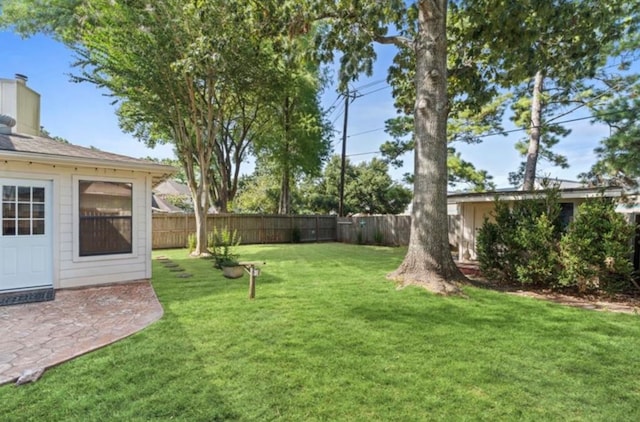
[[329, 339]]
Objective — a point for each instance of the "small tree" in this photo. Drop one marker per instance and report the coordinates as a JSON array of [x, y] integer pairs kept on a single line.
[[223, 244], [595, 250]]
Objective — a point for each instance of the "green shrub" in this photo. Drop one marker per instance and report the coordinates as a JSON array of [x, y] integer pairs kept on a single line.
[[222, 244], [538, 258], [521, 244], [525, 243], [496, 247], [191, 242], [596, 249]]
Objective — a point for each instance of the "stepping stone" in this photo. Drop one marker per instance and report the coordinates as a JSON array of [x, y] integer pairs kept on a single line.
[[162, 258], [176, 270], [171, 265], [184, 275]]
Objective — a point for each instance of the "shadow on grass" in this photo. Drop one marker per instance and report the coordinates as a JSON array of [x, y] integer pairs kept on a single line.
[[500, 321], [155, 374]]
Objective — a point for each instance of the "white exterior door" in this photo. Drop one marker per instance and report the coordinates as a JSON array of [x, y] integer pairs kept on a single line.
[[26, 240]]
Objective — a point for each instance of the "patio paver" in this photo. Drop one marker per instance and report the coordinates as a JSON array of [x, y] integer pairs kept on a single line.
[[40, 335]]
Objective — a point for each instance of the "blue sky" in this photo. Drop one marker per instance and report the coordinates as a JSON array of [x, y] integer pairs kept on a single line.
[[84, 115]]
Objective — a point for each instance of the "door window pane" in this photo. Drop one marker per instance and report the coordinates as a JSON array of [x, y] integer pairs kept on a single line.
[[38, 226], [24, 210], [24, 194], [24, 227], [8, 227], [8, 193], [37, 211], [38, 195], [8, 210]]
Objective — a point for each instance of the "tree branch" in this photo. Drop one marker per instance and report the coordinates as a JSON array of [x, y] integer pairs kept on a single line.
[[398, 40]]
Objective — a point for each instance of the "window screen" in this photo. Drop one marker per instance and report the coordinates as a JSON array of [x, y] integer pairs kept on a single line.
[[105, 217]]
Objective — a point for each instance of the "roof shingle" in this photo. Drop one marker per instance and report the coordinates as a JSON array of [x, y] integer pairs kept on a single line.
[[39, 145]]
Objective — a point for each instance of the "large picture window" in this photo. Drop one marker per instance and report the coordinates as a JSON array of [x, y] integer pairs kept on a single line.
[[105, 217]]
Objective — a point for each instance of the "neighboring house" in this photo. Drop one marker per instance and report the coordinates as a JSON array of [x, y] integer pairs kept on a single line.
[[473, 208], [166, 194], [162, 205], [71, 216]]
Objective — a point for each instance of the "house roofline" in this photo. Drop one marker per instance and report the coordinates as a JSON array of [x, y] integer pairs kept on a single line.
[[569, 193], [159, 172]]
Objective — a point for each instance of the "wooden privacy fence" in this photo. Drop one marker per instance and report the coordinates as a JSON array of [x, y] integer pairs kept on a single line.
[[172, 230], [391, 230]]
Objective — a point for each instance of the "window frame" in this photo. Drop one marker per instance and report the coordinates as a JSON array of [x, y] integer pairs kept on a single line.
[[33, 217], [77, 257]]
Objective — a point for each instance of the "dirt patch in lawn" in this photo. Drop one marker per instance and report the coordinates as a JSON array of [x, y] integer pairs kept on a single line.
[[599, 301]]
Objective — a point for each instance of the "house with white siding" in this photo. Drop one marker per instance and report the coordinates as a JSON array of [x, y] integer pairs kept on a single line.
[[470, 209], [71, 216]]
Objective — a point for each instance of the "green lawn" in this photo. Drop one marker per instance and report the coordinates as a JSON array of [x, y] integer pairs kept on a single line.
[[328, 338]]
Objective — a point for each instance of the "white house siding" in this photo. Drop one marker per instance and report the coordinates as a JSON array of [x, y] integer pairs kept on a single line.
[[473, 215], [71, 270]]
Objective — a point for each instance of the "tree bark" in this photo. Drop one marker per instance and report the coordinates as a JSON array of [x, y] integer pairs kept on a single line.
[[535, 133], [285, 194], [428, 262], [199, 196]]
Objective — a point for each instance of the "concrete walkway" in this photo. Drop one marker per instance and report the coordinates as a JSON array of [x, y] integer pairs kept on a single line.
[[36, 336]]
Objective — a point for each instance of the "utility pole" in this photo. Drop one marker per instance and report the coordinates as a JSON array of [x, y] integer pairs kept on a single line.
[[344, 152]]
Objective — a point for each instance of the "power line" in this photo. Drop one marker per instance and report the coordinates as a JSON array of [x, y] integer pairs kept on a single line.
[[365, 132], [379, 81], [375, 90], [362, 153], [337, 117], [331, 106], [491, 133]]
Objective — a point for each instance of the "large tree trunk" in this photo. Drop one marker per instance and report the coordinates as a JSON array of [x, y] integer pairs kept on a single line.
[[285, 200], [535, 133], [199, 196], [201, 230], [285, 194], [428, 262]]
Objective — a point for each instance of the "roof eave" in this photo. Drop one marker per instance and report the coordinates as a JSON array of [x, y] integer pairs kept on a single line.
[[159, 171], [574, 193]]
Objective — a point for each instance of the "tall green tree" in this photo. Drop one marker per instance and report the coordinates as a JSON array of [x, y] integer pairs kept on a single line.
[[298, 140], [59, 18], [619, 153], [475, 106], [175, 68], [243, 119], [352, 28], [369, 189], [185, 73], [548, 55], [259, 192]]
